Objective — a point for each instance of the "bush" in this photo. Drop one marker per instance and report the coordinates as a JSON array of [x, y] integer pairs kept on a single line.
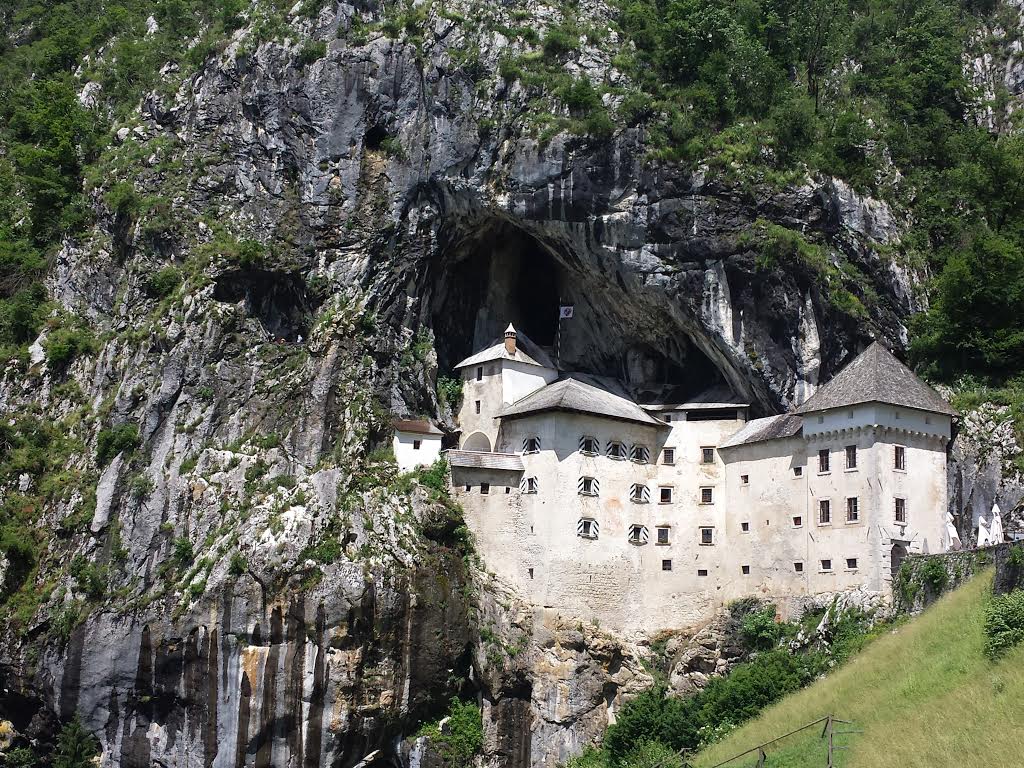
[[183, 553], [238, 564], [934, 575], [462, 737], [758, 629], [449, 390], [163, 282], [435, 476], [313, 51], [76, 747], [63, 345], [1004, 623], [111, 442]]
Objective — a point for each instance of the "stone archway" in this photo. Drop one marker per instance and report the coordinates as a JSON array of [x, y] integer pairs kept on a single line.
[[477, 442], [896, 557]]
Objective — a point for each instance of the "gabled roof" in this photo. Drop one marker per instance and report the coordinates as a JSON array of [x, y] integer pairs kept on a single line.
[[578, 395], [417, 426], [526, 352], [509, 462], [876, 376], [769, 428], [719, 396]]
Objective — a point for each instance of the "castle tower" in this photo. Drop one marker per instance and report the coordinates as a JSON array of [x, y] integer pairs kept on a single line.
[[510, 340]]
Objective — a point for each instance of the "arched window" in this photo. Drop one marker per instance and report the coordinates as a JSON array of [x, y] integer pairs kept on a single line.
[[638, 534], [587, 528], [640, 454], [531, 444], [640, 494], [588, 486], [616, 450], [589, 446], [529, 485]]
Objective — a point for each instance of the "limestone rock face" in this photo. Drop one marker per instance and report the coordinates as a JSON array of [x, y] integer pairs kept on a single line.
[[245, 582]]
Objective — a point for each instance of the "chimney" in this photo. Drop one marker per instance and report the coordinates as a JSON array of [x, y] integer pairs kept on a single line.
[[510, 340]]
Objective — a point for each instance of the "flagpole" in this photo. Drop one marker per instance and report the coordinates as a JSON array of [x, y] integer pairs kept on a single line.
[[558, 336]]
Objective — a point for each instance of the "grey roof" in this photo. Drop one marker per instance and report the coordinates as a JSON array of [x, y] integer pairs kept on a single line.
[[715, 397], [526, 352], [768, 428], [417, 426], [876, 376], [510, 462], [580, 394]]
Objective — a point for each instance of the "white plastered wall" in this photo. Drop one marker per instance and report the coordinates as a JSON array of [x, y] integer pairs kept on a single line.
[[408, 456]]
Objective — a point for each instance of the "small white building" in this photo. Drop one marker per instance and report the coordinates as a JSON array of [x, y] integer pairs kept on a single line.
[[649, 517], [417, 443]]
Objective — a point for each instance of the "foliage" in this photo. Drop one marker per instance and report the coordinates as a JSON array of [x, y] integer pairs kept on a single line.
[[435, 476], [64, 344], [462, 736], [449, 390], [182, 552], [934, 575], [1004, 623], [237, 564], [328, 551], [90, 578], [76, 747], [163, 282], [311, 52], [759, 630], [112, 441]]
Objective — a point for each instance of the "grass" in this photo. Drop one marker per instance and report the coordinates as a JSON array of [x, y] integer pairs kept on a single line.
[[925, 696]]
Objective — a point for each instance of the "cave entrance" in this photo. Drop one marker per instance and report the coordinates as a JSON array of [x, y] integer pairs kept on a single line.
[[497, 275], [278, 300]]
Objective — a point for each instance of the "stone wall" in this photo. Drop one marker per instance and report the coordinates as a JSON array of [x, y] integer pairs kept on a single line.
[[925, 578]]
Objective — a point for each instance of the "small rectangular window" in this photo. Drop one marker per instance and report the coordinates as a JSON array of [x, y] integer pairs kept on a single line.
[[823, 460], [469, 488], [476, 406], [530, 572], [901, 510], [663, 534], [589, 445], [416, 444], [665, 494], [638, 533], [707, 455], [508, 489], [531, 485], [745, 527], [588, 486], [744, 479], [746, 570], [852, 510], [707, 495], [851, 563], [480, 373], [666, 565], [798, 567], [824, 512], [707, 536], [485, 487], [616, 450], [798, 471], [668, 456], [587, 528], [702, 571], [639, 454], [826, 565], [851, 457], [639, 494], [900, 458], [531, 445], [798, 521]]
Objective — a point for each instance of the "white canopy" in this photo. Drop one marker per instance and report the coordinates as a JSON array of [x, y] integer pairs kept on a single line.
[[995, 526]]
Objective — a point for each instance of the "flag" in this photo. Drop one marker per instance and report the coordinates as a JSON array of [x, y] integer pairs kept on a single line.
[[565, 312]]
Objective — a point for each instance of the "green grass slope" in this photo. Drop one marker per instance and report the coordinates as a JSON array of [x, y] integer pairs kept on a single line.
[[924, 695]]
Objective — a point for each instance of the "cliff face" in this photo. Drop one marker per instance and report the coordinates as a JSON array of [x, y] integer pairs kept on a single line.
[[228, 574]]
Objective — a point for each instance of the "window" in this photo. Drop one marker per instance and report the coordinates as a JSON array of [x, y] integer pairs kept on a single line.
[[798, 471], [745, 527], [530, 572], [476, 406], [616, 450], [900, 458], [798, 521], [508, 489], [823, 460], [588, 486], [849, 414], [639, 494], [587, 528], [826, 565], [666, 565], [852, 512], [707, 495], [638, 534], [531, 445], [485, 487], [668, 418], [640, 454], [702, 571], [851, 563], [707, 537], [821, 419], [798, 567], [824, 512], [901, 510], [530, 485], [480, 373], [707, 455], [668, 456], [745, 569], [851, 457], [469, 488], [416, 444], [744, 479], [663, 533], [589, 445], [665, 494]]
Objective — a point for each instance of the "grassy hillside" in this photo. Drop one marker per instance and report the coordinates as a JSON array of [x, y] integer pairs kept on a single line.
[[924, 695]]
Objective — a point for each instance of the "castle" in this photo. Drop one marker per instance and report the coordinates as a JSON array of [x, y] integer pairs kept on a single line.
[[644, 517]]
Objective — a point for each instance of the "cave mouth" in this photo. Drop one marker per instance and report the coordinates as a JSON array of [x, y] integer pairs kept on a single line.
[[280, 301], [490, 272]]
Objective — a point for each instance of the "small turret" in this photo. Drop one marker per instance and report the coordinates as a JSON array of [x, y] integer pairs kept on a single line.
[[510, 339]]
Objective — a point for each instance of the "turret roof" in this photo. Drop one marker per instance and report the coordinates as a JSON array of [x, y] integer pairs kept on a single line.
[[579, 393], [526, 352], [768, 428], [876, 376]]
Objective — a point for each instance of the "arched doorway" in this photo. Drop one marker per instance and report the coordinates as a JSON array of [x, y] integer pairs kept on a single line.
[[896, 558], [477, 442]]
